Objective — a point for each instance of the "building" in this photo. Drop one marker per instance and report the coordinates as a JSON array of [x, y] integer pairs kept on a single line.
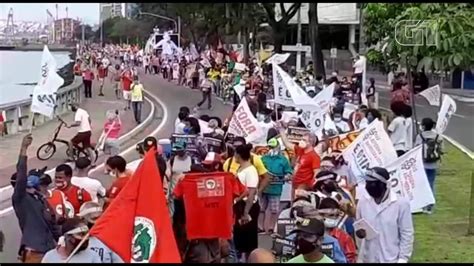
[[338, 28], [63, 30], [110, 10]]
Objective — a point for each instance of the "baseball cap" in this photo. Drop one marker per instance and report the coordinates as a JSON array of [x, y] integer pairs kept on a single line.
[[272, 143], [309, 225]]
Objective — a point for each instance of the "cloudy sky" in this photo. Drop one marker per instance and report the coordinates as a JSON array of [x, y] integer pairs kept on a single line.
[[88, 12]]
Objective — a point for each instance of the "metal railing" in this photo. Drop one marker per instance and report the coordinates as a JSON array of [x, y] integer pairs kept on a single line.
[[17, 114]]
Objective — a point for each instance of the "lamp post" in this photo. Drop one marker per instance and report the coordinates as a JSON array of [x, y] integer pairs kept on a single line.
[[177, 24]]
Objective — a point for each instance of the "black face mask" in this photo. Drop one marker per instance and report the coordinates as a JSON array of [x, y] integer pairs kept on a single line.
[[329, 186], [375, 188], [180, 153], [75, 242], [303, 246]]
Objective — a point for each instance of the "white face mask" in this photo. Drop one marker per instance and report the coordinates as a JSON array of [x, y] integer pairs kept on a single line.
[[337, 119], [330, 223], [302, 144]]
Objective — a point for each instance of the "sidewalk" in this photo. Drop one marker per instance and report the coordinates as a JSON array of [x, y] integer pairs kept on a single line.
[[381, 82], [96, 107]]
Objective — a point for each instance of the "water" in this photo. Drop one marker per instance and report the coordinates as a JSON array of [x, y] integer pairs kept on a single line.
[[22, 67]]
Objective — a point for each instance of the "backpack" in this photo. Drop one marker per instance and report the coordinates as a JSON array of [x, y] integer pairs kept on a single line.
[[431, 149]]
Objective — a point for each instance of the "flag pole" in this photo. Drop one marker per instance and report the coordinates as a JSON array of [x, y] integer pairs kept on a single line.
[[32, 117], [77, 247]]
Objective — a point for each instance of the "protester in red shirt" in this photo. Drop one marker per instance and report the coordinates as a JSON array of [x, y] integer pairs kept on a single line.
[[75, 195], [208, 202], [307, 160], [2, 126], [127, 80], [101, 74], [77, 68], [118, 167], [400, 93], [88, 77]]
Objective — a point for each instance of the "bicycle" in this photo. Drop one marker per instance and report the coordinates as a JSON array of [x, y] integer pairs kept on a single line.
[[47, 150]]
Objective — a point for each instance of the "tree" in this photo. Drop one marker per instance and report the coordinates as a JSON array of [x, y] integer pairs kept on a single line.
[[316, 49], [279, 27], [444, 36]]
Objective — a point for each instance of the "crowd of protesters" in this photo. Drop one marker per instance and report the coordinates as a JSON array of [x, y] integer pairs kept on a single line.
[[276, 178]]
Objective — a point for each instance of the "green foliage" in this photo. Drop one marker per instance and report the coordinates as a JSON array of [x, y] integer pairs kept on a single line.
[[123, 29], [279, 27], [450, 42]]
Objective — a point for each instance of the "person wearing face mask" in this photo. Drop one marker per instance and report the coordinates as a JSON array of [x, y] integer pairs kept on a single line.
[[333, 217], [74, 231], [307, 160], [279, 167], [373, 114], [90, 212], [309, 239], [117, 166], [311, 91], [326, 183], [74, 194], [36, 219], [341, 125], [390, 217]]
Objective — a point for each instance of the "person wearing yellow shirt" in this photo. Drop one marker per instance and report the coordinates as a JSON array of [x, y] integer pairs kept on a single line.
[[137, 99], [230, 165]]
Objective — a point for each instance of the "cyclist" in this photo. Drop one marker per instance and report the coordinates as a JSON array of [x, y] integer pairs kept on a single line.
[[83, 136]]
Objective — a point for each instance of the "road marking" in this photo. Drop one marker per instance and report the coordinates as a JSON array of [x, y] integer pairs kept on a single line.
[[131, 148]]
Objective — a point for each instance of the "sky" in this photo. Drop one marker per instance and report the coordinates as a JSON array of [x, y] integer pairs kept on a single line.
[[88, 12]]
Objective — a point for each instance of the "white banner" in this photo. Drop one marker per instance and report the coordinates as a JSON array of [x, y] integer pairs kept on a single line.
[[239, 66], [278, 58], [239, 90], [371, 148], [432, 95], [44, 93], [448, 108], [281, 92], [244, 124], [316, 108], [408, 179]]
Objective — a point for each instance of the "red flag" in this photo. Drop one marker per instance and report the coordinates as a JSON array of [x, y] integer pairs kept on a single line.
[[137, 224]]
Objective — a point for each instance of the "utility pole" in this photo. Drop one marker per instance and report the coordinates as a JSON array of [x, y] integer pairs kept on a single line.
[[101, 31], [179, 31], [298, 40]]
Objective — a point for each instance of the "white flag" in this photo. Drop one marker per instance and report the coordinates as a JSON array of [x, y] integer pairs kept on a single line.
[[448, 108], [371, 148], [278, 58], [432, 95], [244, 124], [316, 108], [44, 94], [408, 179], [281, 92], [289, 89]]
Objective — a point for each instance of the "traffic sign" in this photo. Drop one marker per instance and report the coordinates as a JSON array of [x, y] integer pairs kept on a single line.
[[333, 52]]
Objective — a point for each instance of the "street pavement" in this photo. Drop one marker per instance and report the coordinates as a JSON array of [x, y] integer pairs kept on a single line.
[[171, 96]]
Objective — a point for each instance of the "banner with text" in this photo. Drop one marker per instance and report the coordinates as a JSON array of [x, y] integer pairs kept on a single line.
[[281, 92], [244, 124], [432, 95], [408, 179], [44, 93], [372, 147], [315, 109], [278, 58], [341, 141], [448, 108]]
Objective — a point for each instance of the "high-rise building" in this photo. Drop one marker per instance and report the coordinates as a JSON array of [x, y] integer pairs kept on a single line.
[[64, 29], [110, 10]]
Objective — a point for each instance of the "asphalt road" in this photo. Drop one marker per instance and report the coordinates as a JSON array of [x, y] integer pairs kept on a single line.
[[460, 127], [172, 97]]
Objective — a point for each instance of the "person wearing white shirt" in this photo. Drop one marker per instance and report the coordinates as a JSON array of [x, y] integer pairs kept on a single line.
[[82, 180], [341, 125], [248, 208], [398, 129], [386, 226], [83, 137], [179, 122]]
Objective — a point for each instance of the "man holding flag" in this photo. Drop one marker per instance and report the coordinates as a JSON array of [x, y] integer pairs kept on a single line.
[[146, 234]]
